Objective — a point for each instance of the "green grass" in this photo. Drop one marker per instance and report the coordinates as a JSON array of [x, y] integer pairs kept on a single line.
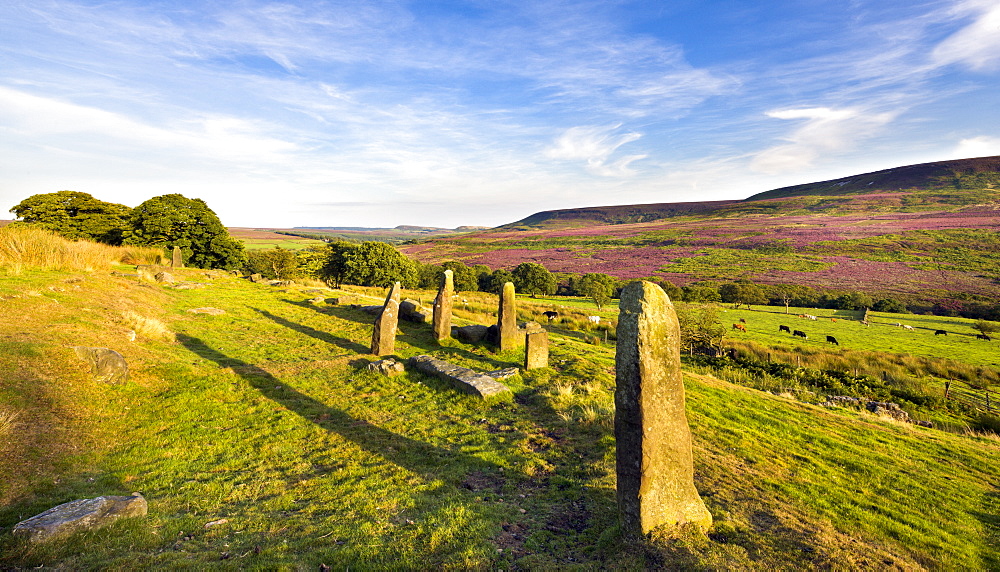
[[263, 417], [290, 243]]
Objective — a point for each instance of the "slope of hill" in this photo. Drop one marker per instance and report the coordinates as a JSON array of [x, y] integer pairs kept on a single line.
[[260, 443], [938, 242]]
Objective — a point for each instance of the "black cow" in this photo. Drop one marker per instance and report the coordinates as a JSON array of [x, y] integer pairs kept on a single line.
[[983, 337], [800, 334], [551, 315], [743, 320], [784, 329], [940, 333], [832, 340]]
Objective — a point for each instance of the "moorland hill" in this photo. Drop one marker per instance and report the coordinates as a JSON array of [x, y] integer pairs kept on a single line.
[[924, 233]]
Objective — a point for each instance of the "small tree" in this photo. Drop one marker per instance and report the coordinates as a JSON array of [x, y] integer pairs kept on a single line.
[[533, 278], [378, 264], [986, 327], [742, 293], [75, 215], [701, 328], [334, 267], [275, 263], [463, 277], [598, 287], [498, 278]]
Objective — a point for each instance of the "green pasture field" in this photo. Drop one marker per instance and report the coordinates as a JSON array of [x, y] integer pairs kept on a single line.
[[882, 335], [291, 243], [260, 442]]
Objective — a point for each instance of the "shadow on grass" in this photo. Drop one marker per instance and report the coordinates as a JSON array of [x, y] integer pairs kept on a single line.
[[314, 333], [407, 453]]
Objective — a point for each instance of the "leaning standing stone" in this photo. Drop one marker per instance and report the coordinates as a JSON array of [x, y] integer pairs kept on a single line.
[[384, 332], [507, 319], [177, 261], [536, 350], [652, 438], [107, 365], [442, 307], [78, 515]]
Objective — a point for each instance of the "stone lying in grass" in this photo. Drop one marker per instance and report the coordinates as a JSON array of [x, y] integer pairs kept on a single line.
[[80, 515], [388, 367], [462, 378], [107, 365]]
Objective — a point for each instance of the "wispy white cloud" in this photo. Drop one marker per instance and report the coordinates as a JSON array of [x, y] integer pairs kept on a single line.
[[976, 45], [825, 131], [595, 145]]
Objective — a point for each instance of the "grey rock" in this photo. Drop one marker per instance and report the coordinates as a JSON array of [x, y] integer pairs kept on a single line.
[[507, 337], [177, 258], [189, 285], [107, 365], [469, 334], [256, 278], [389, 367], [462, 378], [80, 515], [317, 300], [536, 353], [503, 373], [164, 277], [386, 323], [412, 311], [207, 310]]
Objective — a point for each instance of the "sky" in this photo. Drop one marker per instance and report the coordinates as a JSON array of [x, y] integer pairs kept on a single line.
[[446, 113]]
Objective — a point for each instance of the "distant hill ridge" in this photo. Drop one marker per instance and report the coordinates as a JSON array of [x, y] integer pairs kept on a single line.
[[955, 175]]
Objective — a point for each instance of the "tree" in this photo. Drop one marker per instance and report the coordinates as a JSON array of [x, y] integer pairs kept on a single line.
[[986, 327], [429, 276], [498, 278], [694, 293], [175, 220], [533, 278], [378, 264], [75, 215], [463, 277], [742, 293], [890, 305], [276, 263], [598, 287], [483, 275], [853, 301], [335, 265], [701, 328]]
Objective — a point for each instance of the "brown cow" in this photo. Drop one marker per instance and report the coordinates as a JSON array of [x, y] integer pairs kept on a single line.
[[740, 327]]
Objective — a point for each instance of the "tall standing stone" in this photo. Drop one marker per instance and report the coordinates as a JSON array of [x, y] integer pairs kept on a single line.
[[442, 306], [507, 319], [652, 437], [178, 258], [536, 350], [384, 332]]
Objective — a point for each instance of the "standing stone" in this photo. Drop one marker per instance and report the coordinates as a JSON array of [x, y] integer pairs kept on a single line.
[[652, 438], [536, 352], [442, 306], [507, 319], [384, 332], [178, 259]]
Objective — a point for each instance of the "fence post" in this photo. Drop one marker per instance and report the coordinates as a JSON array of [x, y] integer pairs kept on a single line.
[[947, 389]]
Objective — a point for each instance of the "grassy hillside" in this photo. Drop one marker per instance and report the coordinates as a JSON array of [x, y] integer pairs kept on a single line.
[[260, 443]]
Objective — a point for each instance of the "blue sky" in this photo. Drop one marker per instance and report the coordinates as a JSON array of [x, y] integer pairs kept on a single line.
[[355, 113]]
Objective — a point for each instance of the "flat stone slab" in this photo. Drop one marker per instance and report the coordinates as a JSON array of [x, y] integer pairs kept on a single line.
[[462, 378], [78, 515], [107, 365]]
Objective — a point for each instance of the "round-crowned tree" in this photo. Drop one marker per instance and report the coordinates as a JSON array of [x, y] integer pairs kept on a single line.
[[175, 220], [378, 264], [533, 278], [75, 215]]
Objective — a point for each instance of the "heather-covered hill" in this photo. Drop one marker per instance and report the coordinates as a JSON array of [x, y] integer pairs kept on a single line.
[[939, 241]]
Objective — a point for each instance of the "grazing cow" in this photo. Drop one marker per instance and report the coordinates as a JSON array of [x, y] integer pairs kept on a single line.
[[784, 329], [740, 327], [832, 340], [897, 324], [905, 327], [833, 319], [743, 320], [551, 315], [983, 337], [594, 319], [811, 317], [800, 334], [940, 333]]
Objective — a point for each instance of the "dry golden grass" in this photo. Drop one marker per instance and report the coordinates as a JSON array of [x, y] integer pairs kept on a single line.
[[8, 418], [150, 328], [26, 247]]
